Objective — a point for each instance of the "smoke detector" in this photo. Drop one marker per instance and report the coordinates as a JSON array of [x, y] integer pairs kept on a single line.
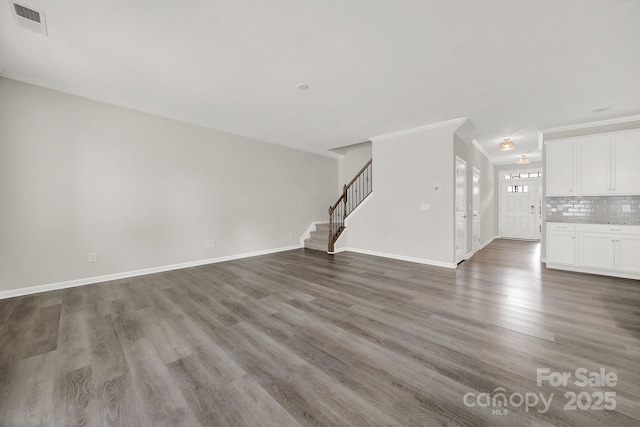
[[28, 17]]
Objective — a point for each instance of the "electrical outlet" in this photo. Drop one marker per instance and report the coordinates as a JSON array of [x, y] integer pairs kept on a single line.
[[626, 208], [425, 206], [92, 257], [208, 244]]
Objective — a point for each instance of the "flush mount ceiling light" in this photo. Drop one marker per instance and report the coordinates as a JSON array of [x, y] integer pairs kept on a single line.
[[506, 145], [303, 86], [523, 160]]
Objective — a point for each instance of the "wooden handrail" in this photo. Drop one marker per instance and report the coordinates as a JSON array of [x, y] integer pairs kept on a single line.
[[348, 201], [359, 173], [335, 205]]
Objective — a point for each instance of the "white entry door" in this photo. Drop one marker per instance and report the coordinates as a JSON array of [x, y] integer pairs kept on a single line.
[[520, 209], [475, 209], [461, 209]]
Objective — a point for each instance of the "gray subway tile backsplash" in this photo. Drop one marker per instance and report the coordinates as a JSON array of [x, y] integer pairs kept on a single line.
[[594, 209]]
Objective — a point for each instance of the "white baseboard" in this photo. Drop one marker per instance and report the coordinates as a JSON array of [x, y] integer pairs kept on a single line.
[[400, 257], [577, 269], [472, 253], [308, 231], [338, 250], [346, 224], [108, 277]]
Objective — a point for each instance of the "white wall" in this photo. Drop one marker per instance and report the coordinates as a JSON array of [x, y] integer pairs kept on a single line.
[[355, 157], [406, 170], [79, 176]]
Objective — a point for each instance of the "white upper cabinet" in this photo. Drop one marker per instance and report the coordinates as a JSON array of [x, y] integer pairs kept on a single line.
[[594, 165], [625, 152], [559, 168]]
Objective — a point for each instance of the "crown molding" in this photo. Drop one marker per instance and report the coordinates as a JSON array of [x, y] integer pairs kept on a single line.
[[540, 140], [419, 129], [482, 150], [591, 124], [159, 113]]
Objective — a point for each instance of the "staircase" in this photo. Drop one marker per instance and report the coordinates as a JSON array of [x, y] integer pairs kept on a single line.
[[325, 236], [353, 194], [319, 239]]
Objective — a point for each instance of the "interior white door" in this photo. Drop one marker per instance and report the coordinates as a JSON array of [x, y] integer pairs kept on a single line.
[[461, 209], [520, 209], [475, 209]]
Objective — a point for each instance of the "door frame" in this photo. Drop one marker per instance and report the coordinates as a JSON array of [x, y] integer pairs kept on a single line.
[[501, 181], [464, 253], [476, 172]]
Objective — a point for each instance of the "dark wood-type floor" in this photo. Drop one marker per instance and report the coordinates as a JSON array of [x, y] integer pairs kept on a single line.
[[304, 338]]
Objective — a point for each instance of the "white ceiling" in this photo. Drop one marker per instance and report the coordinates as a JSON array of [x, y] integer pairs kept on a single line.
[[373, 66]]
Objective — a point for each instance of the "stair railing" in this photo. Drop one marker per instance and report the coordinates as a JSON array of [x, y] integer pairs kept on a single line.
[[353, 194]]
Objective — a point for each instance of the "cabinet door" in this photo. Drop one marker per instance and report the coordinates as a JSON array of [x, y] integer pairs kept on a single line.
[[594, 165], [559, 168], [596, 250], [561, 247], [625, 173], [628, 253]]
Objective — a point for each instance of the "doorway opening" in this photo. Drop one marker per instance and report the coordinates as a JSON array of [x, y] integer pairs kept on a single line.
[[520, 204]]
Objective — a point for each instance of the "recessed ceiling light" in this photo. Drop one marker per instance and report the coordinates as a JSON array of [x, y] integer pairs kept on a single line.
[[603, 108], [303, 86]]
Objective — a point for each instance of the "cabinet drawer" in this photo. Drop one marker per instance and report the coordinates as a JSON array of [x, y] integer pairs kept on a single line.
[[561, 226], [611, 229]]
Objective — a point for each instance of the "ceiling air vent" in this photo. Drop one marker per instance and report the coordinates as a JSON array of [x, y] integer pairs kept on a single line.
[[29, 17]]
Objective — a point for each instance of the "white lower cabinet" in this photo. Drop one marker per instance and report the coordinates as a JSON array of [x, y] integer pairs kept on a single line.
[[561, 244], [594, 248], [628, 254]]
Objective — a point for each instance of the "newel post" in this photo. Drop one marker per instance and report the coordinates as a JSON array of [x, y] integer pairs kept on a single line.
[[344, 198], [330, 248]]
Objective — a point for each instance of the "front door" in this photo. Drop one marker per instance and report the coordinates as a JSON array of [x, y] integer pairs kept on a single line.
[[520, 210]]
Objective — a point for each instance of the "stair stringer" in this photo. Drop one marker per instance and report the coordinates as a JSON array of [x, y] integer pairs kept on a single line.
[[307, 233], [343, 241]]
